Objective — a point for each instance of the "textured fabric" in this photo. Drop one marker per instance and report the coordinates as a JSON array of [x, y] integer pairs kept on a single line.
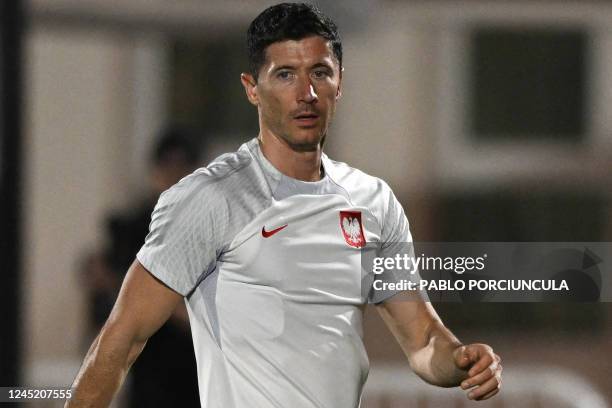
[[271, 270]]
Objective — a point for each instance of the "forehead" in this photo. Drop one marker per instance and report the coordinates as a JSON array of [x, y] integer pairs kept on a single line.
[[307, 51]]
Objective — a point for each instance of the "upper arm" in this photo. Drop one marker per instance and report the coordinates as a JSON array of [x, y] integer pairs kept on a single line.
[[186, 233], [410, 320], [143, 305]]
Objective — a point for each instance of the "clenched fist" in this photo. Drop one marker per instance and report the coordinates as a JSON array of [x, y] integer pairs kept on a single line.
[[483, 368]]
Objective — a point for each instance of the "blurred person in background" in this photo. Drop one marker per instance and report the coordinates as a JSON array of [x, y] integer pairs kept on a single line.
[[160, 377], [264, 244]]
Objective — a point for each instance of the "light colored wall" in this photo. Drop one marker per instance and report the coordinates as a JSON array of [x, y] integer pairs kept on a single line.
[[384, 120], [78, 108]]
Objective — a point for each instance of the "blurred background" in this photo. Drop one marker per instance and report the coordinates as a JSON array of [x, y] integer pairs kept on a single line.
[[491, 120]]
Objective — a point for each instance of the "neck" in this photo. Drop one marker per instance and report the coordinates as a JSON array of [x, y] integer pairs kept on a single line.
[[301, 165]]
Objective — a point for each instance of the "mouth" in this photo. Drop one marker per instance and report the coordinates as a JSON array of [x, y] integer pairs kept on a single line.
[[306, 118]]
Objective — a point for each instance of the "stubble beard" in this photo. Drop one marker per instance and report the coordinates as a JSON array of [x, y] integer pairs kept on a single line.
[[295, 143], [303, 146]]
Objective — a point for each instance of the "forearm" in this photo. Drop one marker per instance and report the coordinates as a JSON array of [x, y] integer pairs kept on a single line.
[[104, 368], [435, 361]]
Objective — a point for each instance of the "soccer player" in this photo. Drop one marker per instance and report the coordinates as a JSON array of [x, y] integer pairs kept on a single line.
[[264, 246]]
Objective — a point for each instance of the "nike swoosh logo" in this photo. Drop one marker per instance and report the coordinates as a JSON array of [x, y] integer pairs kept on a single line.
[[268, 234]]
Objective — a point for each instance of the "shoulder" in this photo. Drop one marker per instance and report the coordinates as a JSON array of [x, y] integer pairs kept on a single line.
[[208, 189], [214, 178]]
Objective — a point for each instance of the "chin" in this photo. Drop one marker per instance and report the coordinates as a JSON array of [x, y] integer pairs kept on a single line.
[[305, 142]]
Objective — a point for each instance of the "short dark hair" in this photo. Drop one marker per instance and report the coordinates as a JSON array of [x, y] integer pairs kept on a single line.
[[288, 21]]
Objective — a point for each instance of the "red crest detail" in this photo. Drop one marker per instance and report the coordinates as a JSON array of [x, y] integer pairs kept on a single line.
[[352, 230]]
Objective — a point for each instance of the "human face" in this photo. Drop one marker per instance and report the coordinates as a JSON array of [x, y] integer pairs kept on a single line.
[[296, 91]]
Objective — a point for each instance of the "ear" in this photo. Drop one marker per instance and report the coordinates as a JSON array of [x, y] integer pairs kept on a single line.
[[339, 90], [250, 87]]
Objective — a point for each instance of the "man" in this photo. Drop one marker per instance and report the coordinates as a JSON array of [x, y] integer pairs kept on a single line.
[[264, 244], [154, 382]]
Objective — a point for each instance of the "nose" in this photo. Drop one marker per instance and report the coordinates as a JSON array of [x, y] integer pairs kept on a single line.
[[307, 93]]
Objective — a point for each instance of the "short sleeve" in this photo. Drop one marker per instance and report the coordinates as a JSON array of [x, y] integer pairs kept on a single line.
[[396, 239], [183, 240], [395, 229]]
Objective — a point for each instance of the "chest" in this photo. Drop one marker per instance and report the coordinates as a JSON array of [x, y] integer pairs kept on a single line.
[[306, 247]]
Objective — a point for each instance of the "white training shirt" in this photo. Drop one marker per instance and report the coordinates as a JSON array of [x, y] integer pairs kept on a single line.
[[270, 268]]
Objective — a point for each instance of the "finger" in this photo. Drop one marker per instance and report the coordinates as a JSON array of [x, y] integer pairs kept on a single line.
[[481, 377], [481, 364], [489, 395], [492, 393], [483, 390]]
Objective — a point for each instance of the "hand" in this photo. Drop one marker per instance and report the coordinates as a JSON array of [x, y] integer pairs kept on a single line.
[[484, 370]]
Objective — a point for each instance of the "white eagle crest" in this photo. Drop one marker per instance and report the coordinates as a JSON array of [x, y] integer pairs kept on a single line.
[[352, 229]]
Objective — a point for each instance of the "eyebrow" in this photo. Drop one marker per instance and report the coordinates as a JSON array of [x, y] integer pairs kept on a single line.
[[322, 65]]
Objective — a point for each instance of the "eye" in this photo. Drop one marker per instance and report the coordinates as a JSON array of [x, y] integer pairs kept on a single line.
[[284, 75], [320, 74]]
